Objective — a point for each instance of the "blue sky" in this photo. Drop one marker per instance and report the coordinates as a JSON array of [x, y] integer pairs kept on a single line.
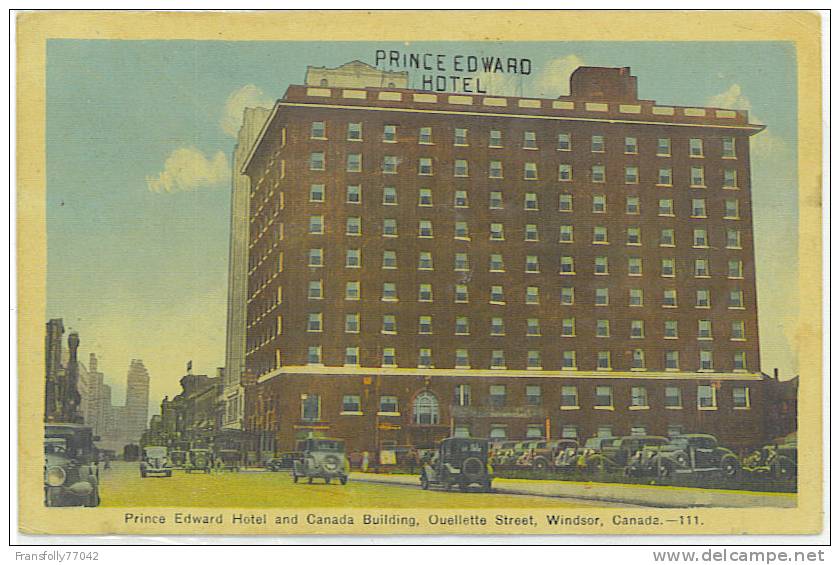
[[137, 254]]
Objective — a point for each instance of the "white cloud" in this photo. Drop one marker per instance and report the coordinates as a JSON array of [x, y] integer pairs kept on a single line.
[[766, 143], [188, 168], [249, 96], [732, 99], [553, 79]]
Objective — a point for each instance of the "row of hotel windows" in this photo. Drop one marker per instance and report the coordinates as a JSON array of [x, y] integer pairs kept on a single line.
[[461, 138], [597, 172], [533, 359], [425, 408]]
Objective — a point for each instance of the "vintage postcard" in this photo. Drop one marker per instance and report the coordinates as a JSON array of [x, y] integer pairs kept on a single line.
[[292, 273]]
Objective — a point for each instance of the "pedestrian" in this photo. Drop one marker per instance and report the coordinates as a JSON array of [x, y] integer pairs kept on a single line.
[[413, 459], [365, 461]]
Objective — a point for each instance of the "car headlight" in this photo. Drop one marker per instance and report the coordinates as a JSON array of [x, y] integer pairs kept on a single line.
[[55, 476]]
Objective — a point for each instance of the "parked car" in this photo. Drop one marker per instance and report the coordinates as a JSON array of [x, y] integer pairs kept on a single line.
[[589, 456], [284, 461], [459, 461], [71, 472], [620, 451], [694, 453], [229, 460], [155, 462], [777, 461], [505, 453], [199, 460], [546, 452], [323, 458]]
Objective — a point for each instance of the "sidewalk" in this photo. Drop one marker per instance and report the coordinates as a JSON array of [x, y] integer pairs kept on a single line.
[[643, 495]]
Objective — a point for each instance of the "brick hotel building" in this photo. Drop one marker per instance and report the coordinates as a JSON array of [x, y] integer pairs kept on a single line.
[[430, 264]]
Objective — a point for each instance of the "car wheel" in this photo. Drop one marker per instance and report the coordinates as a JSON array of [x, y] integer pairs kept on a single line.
[[343, 479], [93, 499], [142, 474], [540, 464], [327, 480], [294, 477], [730, 467], [424, 482], [784, 469]]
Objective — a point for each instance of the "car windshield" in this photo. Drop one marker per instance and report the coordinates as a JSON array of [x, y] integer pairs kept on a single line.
[[467, 447], [155, 452], [616, 443], [55, 446], [676, 444], [328, 445]]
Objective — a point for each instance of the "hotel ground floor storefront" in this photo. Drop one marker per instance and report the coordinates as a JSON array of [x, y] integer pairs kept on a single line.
[[377, 410]]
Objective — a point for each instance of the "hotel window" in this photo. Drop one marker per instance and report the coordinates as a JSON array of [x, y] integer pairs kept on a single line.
[[567, 327], [663, 147], [706, 397], [695, 146], [351, 323], [497, 231], [389, 259], [698, 208], [495, 170], [424, 228], [601, 266], [698, 177], [461, 136], [634, 236], [315, 322], [497, 294], [462, 325], [425, 293], [533, 327], [498, 431], [424, 262], [737, 331], [597, 144], [497, 359], [636, 297], [352, 290], [598, 174], [703, 299], [533, 395], [602, 328], [316, 193], [389, 357], [631, 175], [424, 197], [497, 264], [602, 296], [530, 140], [462, 359], [310, 407], [567, 265], [564, 142], [425, 166], [462, 262], [672, 363], [736, 299], [567, 295], [666, 207], [669, 298], [731, 210], [531, 201], [671, 329], [599, 235], [564, 172], [318, 131], [740, 397], [351, 356], [389, 227], [462, 230], [316, 258], [425, 136], [424, 325], [599, 203], [569, 360], [637, 329], [666, 176], [389, 134], [638, 359], [534, 359], [603, 361], [532, 295], [461, 168], [530, 171], [668, 269], [603, 397], [389, 164], [569, 432], [498, 395], [730, 178], [632, 205], [531, 233], [462, 294], [389, 324], [701, 268], [735, 269], [634, 266], [389, 292], [739, 361], [354, 163], [495, 200], [706, 360], [462, 396], [354, 131], [704, 329], [461, 200], [701, 238], [631, 145], [316, 225], [638, 397], [567, 234], [728, 148], [733, 239], [389, 405], [316, 290], [495, 138], [497, 326], [353, 259], [313, 355], [351, 403], [565, 203], [354, 226], [569, 396], [389, 196]]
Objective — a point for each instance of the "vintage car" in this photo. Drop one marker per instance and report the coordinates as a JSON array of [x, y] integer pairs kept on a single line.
[[693, 453], [459, 461], [546, 452], [505, 453], [155, 462], [199, 460], [71, 471], [229, 460], [617, 455], [284, 461], [589, 456], [776, 461], [323, 458]]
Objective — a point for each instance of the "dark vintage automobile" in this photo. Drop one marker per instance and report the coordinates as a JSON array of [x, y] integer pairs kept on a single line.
[[71, 471], [284, 461], [776, 461], [589, 456], [546, 452], [618, 454], [690, 454], [200, 460], [458, 461], [229, 460], [323, 458], [155, 462]]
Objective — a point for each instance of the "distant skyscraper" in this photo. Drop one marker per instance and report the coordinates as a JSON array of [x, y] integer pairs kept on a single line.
[[136, 412], [54, 369]]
